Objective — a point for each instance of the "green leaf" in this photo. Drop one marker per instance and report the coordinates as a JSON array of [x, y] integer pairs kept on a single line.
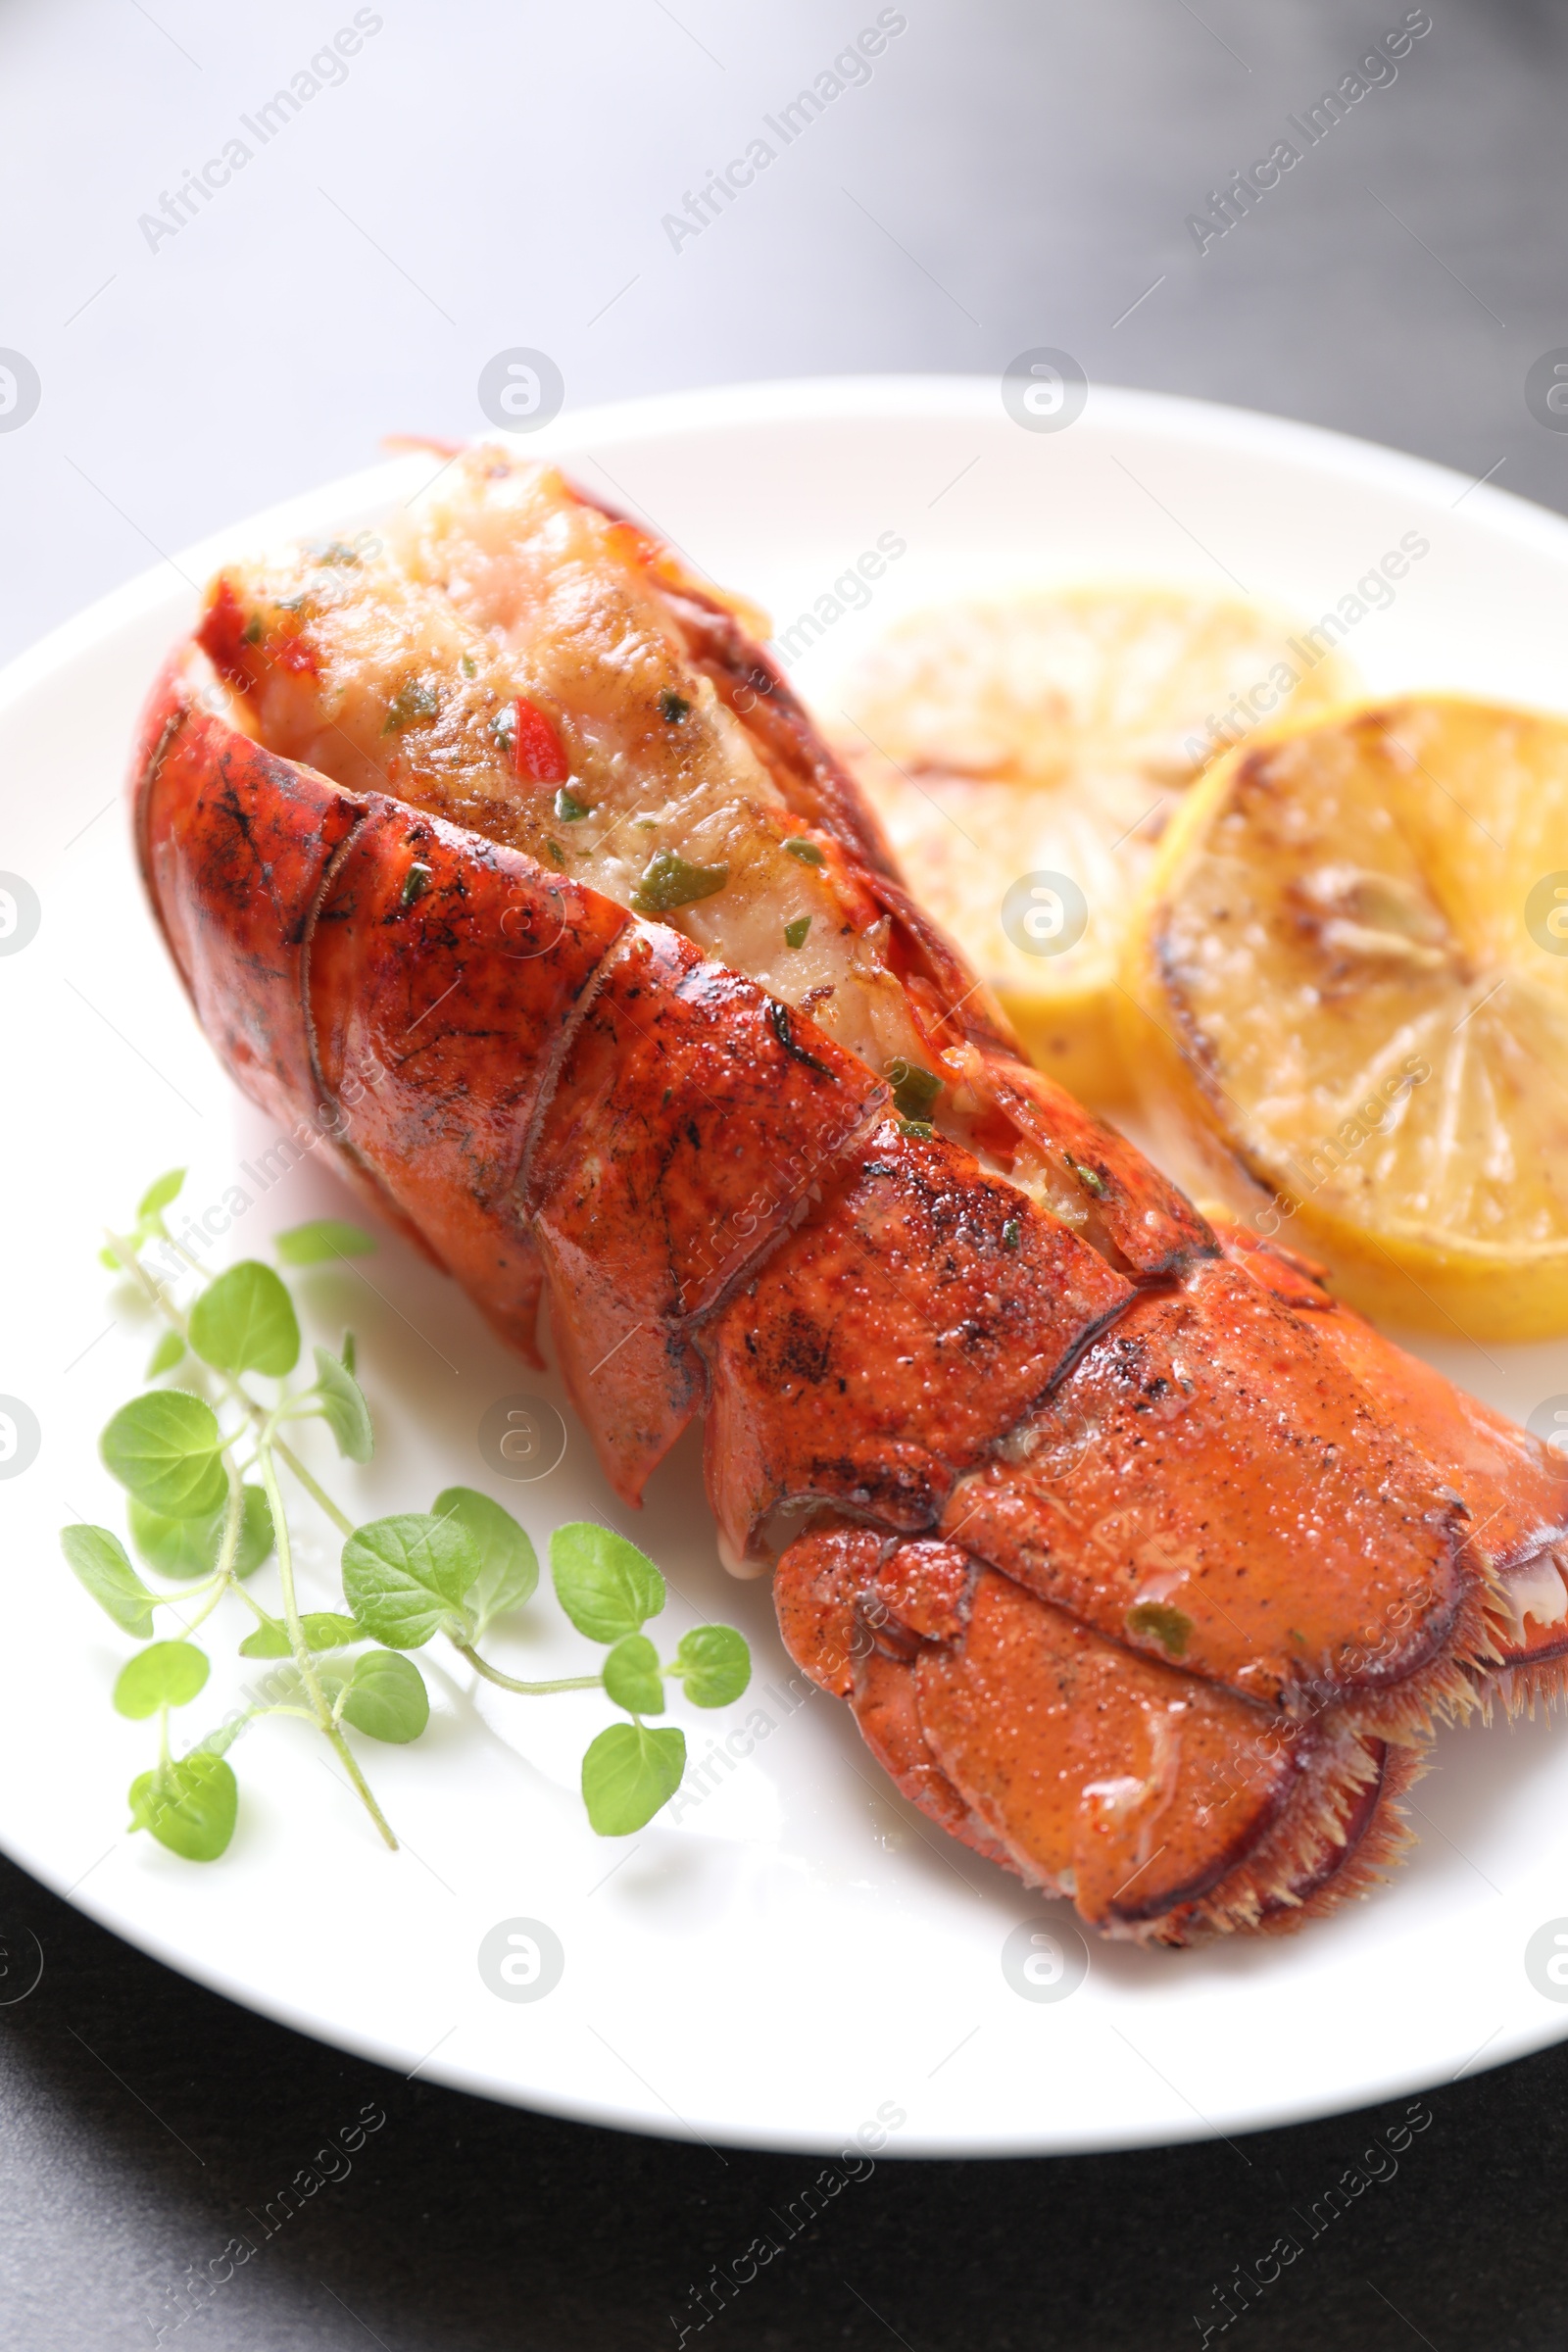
[[99, 1562], [245, 1322], [189, 1806], [168, 1675], [186, 1547], [628, 1773], [343, 1407], [405, 1578], [714, 1664], [329, 1628], [111, 1258], [183, 1547], [159, 1194], [387, 1697], [267, 1640], [165, 1356], [324, 1629], [164, 1447], [631, 1676], [607, 1587], [794, 933], [346, 1354], [508, 1564], [320, 1241]]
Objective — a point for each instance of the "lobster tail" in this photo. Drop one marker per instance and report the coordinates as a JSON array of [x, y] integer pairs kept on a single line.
[[510, 861]]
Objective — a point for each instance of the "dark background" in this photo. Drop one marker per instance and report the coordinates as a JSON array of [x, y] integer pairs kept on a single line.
[[1016, 174]]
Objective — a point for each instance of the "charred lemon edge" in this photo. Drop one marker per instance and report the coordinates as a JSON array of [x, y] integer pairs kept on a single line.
[[1399, 1271]]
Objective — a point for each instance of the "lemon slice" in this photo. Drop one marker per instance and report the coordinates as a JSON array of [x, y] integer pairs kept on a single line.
[[1351, 974], [1025, 756]]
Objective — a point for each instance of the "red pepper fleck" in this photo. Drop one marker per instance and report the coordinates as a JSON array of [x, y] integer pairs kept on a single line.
[[221, 638], [536, 751]]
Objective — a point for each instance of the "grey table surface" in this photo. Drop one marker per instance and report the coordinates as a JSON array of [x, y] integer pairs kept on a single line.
[[482, 176]]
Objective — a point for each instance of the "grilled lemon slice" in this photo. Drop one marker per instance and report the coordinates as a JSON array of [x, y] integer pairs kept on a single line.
[[1349, 979], [1025, 756]]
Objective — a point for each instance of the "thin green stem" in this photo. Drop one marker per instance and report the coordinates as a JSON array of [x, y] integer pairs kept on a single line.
[[191, 1591], [303, 1659], [234, 1517], [318, 1494], [126, 1254], [224, 1579], [261, 1615], [219, 1742], [215, 1595], [224, 1574], [181, 1250], [509, 1682]]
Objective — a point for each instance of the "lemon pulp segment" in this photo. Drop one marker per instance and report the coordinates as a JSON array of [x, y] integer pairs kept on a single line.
[[1014, 746]]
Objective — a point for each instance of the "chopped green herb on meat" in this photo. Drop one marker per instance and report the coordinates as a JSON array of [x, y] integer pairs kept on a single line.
[[670, 880]]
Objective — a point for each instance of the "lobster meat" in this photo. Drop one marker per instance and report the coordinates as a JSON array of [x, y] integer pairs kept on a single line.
[[503, 851]]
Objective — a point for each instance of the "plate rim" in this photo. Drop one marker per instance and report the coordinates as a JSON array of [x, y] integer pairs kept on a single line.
[[790, 400]]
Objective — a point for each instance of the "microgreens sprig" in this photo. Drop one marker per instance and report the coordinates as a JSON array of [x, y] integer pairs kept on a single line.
[[448, 1574]]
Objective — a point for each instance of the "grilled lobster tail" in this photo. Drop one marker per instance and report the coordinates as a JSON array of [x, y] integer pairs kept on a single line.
[[511, 861]]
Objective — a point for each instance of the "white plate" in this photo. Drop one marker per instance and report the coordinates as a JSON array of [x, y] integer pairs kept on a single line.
[[800, 1950]]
